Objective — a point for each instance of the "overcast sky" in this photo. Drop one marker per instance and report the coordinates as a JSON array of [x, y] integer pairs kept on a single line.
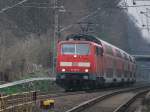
[[140, 19]]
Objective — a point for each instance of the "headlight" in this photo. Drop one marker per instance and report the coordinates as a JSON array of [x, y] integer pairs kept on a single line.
[[63, 70], [86, 70]]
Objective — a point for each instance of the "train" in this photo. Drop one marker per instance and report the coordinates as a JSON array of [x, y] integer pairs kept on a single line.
[[86, 61]]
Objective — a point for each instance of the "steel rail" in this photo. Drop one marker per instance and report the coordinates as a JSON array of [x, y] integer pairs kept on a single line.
[[93, 101], [123, 107]]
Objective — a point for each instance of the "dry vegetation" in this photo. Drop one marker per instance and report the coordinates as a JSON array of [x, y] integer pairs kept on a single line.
[[25, 56]]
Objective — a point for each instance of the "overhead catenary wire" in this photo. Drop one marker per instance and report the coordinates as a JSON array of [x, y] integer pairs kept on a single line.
[[33, 5], [10, 7], [81, 19], [44, 7]]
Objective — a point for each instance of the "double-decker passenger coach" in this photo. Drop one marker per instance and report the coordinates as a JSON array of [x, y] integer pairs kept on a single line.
[[87, 62]]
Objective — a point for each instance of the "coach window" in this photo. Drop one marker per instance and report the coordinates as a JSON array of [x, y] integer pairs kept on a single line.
[[130, 58], [109, 50], [118, 53], [124, 56], [99, 51]]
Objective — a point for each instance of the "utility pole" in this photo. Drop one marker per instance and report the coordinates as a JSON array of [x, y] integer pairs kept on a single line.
[[57, 9], [55, 33], [56, 21], [147, 20]]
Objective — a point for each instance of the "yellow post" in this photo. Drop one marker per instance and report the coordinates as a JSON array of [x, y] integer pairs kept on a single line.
[[47, 104]]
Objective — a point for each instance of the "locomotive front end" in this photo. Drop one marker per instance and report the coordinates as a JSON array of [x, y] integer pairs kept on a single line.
[[74, 63]]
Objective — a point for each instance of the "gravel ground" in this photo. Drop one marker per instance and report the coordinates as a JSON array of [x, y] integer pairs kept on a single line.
[[65, 103]]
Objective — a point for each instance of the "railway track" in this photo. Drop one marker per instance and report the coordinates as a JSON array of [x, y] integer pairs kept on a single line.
[[15, 100], [116, 101], [125, 107], [20, 98]]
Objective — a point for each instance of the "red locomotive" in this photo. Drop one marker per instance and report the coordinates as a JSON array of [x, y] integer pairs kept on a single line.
[[88, 62]]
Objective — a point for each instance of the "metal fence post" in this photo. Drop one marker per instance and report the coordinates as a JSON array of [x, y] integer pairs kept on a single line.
[[34, 96], [2, 103]]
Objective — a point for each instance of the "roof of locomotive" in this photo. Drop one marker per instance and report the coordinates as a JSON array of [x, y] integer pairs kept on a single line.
[[72, 41], [84, 36], [95, 40], [91, 38]]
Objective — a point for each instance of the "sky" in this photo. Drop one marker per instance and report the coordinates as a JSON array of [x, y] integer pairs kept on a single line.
[[141, 20]]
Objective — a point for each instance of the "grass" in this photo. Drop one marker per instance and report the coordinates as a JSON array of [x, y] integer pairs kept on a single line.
[[44, 86]]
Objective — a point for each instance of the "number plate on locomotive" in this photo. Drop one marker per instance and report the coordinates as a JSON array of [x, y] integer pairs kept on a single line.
[[75, 64]]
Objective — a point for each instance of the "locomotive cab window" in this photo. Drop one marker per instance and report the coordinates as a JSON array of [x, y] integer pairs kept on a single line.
[[68, 48], [118, 53], [79, 49]]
